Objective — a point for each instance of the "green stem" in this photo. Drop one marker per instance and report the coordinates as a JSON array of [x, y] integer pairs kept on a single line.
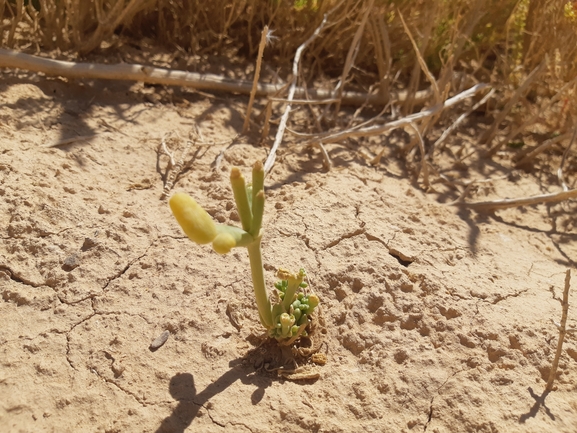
[[260, 293], [241, 198], [293, 286], [257, 213]]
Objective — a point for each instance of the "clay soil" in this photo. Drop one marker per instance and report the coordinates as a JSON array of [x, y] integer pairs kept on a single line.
[[436, 319]]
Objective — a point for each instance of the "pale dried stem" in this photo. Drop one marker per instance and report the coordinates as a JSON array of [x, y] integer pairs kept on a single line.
[[468, 185], [263, 37], [357, 132], [306, 101], [71, 140], [562, 332], [327, 163], [516, 202], [266, 124], [385, 80], [148, 74], [176, 167], [461, 118], [425, 29], [381, 66], [429, 121], [424, 167], [295, 72], [530, 155], [19, 5]]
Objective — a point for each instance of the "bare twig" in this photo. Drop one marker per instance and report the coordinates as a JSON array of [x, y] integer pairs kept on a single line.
[[263, 39], [405, 121], [530, 155], [467, 184], [516, 202], [460, 119], [295, 72], [70, 140], [424, 168], [383, 68], [306, 101], [327, 163], [174, 168], [148, 74], [266, 123], [562, 331]]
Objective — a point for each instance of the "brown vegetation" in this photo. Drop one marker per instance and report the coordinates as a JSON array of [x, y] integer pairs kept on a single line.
[[371, 46]]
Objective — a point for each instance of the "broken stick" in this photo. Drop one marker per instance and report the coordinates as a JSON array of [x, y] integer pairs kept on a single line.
[[149, 74], [562, 332], [282, 125]]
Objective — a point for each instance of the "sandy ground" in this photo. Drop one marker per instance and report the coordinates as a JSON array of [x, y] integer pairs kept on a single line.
[[437, 320]]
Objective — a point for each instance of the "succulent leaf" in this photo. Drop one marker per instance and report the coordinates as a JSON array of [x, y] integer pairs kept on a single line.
[[196, 223]]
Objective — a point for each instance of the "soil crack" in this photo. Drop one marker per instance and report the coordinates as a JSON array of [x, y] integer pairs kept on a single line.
[[128, 265], [430, 413], [431, 407], [112, 382], [18, 278], [500, 297], [349, 235]]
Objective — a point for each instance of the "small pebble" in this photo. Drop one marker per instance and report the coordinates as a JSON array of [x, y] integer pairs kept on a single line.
[[88, 243], [71, 262], [158, 342]]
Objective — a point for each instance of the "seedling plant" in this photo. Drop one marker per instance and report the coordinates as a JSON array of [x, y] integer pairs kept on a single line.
[[286, 319]]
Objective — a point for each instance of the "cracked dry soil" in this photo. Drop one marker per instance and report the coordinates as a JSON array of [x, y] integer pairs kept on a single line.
[[436, 320]]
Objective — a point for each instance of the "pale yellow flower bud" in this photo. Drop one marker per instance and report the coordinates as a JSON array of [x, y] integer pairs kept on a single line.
[[194, 220]]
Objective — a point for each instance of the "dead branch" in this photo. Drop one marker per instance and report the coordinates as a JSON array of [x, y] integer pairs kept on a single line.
[[71, 140], [382, 66], [562, 331], [149, 74], [357, 132], [424, 168], [295, 73], [462, 117], [541, 148], [327, 163], [263, 39], [306, 101], [516, 202], [174, 168]]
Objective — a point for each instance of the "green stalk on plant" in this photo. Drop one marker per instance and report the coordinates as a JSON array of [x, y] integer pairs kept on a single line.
[[288, 318]]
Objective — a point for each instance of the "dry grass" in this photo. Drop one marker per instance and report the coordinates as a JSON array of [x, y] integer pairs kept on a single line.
[[367, 45]]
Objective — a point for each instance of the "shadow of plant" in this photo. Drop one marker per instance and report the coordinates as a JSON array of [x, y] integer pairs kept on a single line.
[[183, 390]]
